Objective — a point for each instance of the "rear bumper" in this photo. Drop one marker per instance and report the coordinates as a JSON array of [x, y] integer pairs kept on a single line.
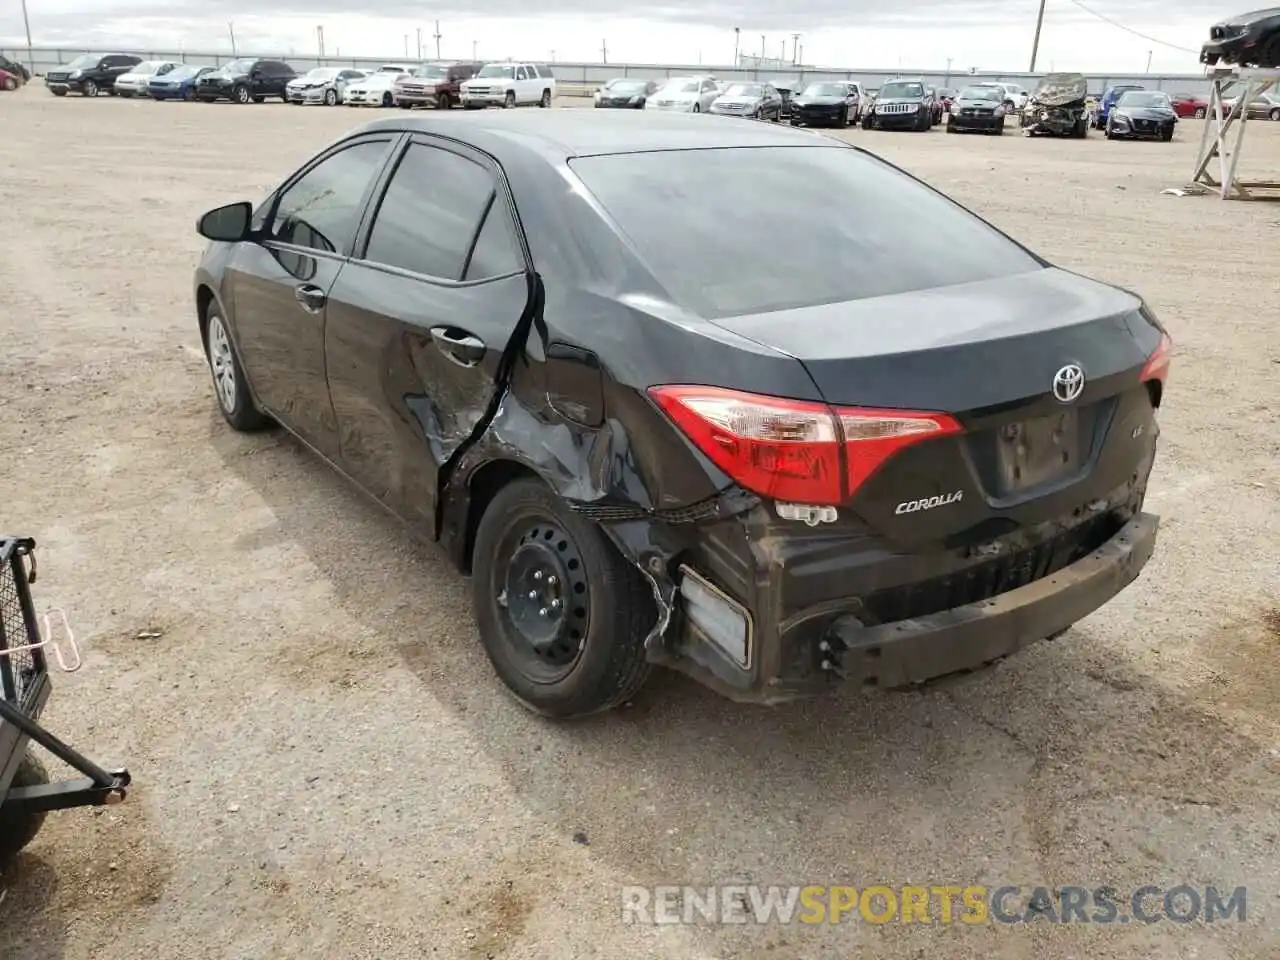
[[875, 640], [913, 651]]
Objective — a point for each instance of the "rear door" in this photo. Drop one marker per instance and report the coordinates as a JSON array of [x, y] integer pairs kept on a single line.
[[278, 288], [417, 323]]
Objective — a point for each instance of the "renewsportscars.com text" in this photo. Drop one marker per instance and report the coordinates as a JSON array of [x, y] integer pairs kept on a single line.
[[935, 904]]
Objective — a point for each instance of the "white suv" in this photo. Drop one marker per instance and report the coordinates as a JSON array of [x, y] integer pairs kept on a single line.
[[509, 85]]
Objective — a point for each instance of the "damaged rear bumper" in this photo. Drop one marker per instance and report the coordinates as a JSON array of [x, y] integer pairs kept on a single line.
[[813, 652]]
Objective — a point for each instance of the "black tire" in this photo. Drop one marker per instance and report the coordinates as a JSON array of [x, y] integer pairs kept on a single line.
[[188, 94], [443, 101], [1275, 114], [59, 93], [331, 97], [89, 89], [545, 102], [1167, 135], [405, 106], [236, 403], [240, 94], [509, 101], [697, 108], [1200, 113], [795, 122], [844, 118], [528, 537], [387, 99], [18, 830], [1269, 59]]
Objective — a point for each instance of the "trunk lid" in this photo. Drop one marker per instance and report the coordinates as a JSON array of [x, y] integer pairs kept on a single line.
[[989, 354]]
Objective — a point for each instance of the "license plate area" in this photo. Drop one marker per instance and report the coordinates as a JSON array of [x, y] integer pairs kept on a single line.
[[1033, 452]]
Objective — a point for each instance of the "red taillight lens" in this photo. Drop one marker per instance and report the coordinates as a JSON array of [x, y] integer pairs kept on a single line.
[[873, 436], [794, 450], [1157, 365]]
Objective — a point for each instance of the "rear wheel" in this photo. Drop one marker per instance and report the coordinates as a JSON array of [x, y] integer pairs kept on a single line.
[[19, 829], [545, 102], [562, 615], [1275, 114], [229, 384], [263, 99]]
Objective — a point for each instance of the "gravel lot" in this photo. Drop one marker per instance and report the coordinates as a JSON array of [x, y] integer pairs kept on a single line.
[[325, 765]]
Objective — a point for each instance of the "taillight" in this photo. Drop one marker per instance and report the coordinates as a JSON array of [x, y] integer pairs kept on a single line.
[[794, 450], [1157, 365]]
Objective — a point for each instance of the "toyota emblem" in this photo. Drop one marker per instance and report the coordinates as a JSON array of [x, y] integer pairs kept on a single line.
[[1068, 383]]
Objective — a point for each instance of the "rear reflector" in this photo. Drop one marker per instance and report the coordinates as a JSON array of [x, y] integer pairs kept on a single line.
[[724, 623], [1157, 365], [794, 450]]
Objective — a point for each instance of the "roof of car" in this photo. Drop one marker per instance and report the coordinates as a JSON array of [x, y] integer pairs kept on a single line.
[[569, 132]]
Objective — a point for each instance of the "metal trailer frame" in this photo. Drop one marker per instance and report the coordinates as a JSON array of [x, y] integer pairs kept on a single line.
[[24, 690], [1220, 142]]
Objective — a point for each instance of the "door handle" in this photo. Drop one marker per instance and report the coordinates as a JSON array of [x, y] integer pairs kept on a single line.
[[458, 345], [310, 296]]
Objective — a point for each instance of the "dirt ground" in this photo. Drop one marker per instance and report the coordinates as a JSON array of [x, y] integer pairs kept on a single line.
[[325, 765]]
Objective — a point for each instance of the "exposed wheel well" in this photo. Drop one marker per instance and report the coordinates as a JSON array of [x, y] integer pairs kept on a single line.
[[484, 485], [204, 297]]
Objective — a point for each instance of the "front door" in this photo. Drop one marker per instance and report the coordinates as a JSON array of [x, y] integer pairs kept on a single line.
[[417, 323], [279, 287]]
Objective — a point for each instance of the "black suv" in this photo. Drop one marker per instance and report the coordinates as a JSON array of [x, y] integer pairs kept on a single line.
[[90, 74], [246, 79]]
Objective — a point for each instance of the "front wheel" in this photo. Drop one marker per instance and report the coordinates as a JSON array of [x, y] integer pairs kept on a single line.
[[509, 101], [10, 83], [59, 93], [1200, 113], [188, 94], [562, 615], [19, 829], [697, 108], [90, 89], [442, 101], [331, 97], [241, 94], [229, 382], [844, 118]]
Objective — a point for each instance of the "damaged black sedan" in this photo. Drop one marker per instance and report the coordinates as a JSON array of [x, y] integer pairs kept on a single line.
[[906, 448]]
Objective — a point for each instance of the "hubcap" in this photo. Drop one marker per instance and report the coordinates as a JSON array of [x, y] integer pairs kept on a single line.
[[546, 600], [222, 364]]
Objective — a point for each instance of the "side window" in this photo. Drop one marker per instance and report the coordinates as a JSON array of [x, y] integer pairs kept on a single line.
[[429, 213], [322, 210], [496, 253]]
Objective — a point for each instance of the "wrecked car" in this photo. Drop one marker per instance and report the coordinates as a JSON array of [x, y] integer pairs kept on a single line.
[[1058, 107], [532, 339]]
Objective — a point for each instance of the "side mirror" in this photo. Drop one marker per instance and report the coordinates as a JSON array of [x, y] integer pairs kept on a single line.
[[229, 224]]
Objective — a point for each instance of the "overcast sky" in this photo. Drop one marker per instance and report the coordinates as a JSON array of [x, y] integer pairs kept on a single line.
[[871, 34]]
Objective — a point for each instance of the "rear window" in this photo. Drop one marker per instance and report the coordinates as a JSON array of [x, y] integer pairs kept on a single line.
[[748, 230]]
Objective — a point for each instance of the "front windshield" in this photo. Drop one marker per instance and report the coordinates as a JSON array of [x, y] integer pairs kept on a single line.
[[79, 63], [682, 86], [497, 70], [322, 73], [743, 90], [901, 89], [1134, 99], [979, 93], [825, 90], [431, 72]]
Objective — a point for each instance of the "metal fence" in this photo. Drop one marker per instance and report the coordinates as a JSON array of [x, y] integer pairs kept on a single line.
[[586, 76]]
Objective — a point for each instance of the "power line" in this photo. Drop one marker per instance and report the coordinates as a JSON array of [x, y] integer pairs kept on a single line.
[[1136, 33]]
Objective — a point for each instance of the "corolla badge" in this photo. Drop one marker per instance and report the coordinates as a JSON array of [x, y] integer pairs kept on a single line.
[[1068, 383]]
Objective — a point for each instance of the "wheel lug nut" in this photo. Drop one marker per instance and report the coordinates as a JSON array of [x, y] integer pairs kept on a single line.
[[551, 580], [533, 594], [537, 574], [543, 612], [555, 604]]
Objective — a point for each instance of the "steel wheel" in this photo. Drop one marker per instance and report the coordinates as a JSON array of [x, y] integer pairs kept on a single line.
[[543, 598], [222, 365]]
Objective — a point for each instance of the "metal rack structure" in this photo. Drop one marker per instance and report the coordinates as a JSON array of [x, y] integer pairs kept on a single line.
[[1224, 130]]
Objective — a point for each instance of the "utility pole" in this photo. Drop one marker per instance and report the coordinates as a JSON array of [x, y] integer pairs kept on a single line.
[[419, 29], [553, 56], [31, 60], [1035, 44], [1149, 61], [947, 82], [795, 49], [437, 36], [737, 31], [761, 50], [782, 56], [231, 29], [604, 51], [473, 48], [800, 56], [406, 46], [320, 39]]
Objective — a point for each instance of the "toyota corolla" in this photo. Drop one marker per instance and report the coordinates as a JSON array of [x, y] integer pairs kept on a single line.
[[909, 447]]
